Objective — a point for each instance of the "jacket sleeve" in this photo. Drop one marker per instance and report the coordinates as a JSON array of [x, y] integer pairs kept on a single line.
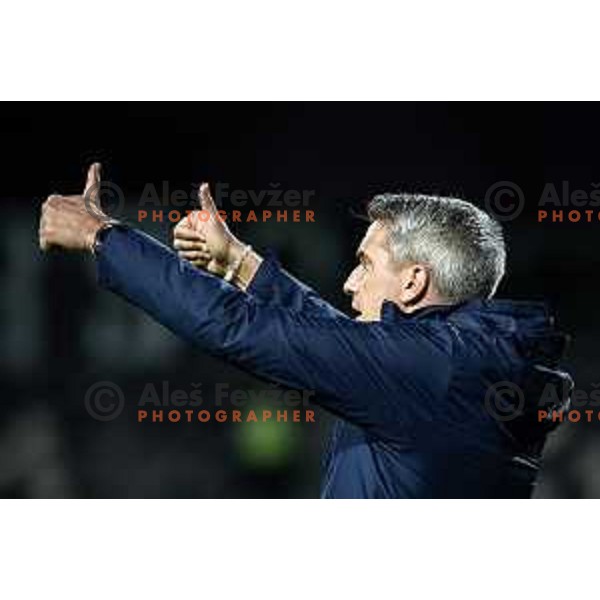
[[274, 285], [359, 368]]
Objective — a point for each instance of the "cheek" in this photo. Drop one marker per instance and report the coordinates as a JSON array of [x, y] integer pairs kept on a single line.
[[361, 280], [385, 286], [374, 286]]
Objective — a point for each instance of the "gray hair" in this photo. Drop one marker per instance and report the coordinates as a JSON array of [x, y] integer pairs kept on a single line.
[[463, 245]]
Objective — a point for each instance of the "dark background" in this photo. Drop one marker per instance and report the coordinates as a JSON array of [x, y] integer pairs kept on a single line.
[[60, 335]]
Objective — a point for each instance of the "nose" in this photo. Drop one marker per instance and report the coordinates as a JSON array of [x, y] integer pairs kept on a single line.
[[350, 284]]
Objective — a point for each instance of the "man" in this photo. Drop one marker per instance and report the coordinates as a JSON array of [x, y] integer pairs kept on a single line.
[[412, 379]]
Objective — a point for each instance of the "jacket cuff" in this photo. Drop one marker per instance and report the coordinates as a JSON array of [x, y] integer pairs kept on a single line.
[[264, 279], [109, 243]]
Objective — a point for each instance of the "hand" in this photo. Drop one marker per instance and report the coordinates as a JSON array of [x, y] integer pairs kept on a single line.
[[207, 242], [69, 221]]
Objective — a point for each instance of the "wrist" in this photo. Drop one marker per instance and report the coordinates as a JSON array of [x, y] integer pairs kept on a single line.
[[241, 263], [94, 242], [234, 252], [91, 235], [247, 269], [234, 267]]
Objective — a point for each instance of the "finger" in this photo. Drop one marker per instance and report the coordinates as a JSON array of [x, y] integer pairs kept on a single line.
[[196, 219], [194, 255], [185, 233], [42, 235], [45, 219], [51, 202], [180, 244], [68, 201], [206, 199], [92, 184]]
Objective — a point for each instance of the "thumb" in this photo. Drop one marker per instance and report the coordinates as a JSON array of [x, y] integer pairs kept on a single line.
[[206, 200], [92, 184]]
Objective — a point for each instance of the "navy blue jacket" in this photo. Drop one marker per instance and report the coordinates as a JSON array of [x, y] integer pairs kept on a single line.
[[409, 390]]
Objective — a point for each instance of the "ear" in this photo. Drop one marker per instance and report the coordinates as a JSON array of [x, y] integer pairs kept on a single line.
[[415, 282]]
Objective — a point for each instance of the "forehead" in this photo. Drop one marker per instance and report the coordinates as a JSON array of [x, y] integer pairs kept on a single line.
[[374, 240]]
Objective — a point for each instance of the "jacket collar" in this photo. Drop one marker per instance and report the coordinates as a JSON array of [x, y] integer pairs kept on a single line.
[[534, 312], [391, 311]]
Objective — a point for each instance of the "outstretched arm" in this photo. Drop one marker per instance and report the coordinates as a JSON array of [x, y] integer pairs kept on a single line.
[[356, 368], [362, 371]]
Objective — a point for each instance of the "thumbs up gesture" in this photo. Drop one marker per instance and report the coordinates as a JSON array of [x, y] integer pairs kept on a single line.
[[204, 239], [71, 222]]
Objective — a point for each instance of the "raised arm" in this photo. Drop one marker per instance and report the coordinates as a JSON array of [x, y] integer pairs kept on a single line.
[[369, 373], [359, 368]]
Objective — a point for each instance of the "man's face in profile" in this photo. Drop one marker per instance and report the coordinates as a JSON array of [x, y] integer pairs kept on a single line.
[[377, 277]]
